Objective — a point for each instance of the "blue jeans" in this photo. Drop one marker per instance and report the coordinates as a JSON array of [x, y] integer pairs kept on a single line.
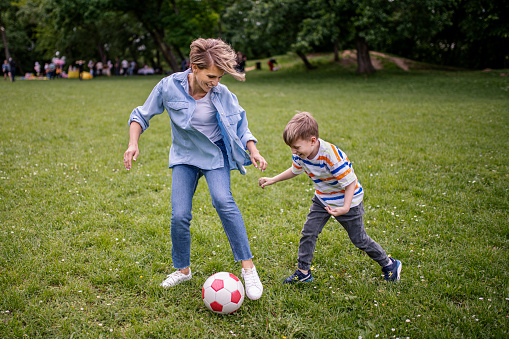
[[184, 182]]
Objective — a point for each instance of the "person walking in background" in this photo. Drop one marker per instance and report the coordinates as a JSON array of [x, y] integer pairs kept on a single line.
[[6, 69], [210, 137]]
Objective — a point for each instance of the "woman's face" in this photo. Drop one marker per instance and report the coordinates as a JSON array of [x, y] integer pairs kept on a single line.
[[206, 78]]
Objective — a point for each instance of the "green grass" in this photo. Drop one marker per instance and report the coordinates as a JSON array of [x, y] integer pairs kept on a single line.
[[84, 243]]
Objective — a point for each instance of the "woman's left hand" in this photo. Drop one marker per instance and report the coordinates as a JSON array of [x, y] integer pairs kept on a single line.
[[258, 161]]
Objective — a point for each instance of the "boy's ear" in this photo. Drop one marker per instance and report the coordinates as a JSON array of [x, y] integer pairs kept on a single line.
[[313, 140]]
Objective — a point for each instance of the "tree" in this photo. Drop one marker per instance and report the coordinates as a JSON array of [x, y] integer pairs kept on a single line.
[[265, 28], [173, 23], [304, 25]]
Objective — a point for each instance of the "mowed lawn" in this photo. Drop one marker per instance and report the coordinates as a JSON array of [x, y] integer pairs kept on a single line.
[[84, 243]]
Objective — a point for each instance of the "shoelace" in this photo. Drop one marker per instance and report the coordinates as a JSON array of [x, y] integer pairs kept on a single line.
[[250, 277]]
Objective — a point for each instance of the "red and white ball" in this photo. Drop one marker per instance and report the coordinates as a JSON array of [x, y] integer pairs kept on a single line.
[[223, 293]]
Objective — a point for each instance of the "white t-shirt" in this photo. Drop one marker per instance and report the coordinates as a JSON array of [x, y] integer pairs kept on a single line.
[[205, 120]]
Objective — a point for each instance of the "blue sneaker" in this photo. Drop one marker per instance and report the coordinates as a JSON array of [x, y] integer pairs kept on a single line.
[[298, 276], [392, 272]]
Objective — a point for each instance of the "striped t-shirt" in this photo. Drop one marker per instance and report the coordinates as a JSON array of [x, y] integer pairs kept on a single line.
[[331, 171]]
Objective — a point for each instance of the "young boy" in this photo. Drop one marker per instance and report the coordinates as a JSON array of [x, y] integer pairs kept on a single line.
[[337, 193]]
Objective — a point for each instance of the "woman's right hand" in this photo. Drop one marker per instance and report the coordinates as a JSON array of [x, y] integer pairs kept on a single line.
[[131, 154]]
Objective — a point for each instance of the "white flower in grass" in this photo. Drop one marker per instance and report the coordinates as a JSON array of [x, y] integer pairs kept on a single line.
[[408, 320]]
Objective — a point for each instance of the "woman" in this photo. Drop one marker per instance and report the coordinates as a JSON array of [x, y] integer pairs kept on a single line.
[[210, 135]]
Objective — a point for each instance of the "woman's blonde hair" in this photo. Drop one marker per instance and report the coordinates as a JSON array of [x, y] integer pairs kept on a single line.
[[302, 126], [215, 52]]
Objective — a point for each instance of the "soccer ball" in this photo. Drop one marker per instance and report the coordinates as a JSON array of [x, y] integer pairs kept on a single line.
[[223, 293]]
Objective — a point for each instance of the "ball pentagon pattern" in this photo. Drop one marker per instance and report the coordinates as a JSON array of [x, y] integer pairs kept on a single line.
[[223, 293]]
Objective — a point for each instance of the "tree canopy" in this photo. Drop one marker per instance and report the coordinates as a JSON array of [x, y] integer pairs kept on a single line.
[[462, 33]]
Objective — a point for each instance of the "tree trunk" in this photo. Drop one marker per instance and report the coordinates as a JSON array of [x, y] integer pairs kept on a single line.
[[305, 60], [179, 52], [166, 50], [336, 51], [4, 38], [102, 53], [364, 65]]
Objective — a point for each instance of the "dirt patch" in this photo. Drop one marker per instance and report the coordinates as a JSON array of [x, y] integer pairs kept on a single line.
[[349, 57]]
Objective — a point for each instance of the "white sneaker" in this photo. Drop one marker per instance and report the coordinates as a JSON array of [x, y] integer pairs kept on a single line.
[[176, 278], [254, 287]]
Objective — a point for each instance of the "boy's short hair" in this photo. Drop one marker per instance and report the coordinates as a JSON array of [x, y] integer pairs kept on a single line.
[[302, 126]]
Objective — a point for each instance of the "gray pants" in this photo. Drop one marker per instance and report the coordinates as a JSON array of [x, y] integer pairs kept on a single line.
[[352, 223]]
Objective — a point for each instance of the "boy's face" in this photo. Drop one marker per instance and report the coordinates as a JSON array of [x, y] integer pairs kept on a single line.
[[305, 148]]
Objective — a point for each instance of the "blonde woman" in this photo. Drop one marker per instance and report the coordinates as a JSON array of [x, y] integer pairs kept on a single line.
[[210, 137]]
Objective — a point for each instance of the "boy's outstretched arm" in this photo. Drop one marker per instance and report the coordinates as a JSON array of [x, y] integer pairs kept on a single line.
[[349, 191], [288, 174]]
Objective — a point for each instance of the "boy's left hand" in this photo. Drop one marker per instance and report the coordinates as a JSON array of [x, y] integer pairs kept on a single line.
[[337, 211]]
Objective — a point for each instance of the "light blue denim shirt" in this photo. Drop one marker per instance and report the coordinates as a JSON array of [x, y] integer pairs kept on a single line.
[[188, 145]]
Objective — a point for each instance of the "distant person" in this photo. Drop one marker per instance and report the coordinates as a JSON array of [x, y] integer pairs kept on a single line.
[[338, 193], [99, 68], [241, 62], [117, 67], [107, 68], [81, 64], [12, 63], [132, 67], [273, 64], [37, 69], [91, 67], [210, 137], [51, 70], [184, 65], [6, 69], [125, 66]]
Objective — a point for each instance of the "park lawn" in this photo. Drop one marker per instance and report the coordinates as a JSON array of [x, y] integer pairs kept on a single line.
[[84, 243]]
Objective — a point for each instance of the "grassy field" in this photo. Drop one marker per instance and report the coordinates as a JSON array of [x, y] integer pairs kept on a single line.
[[84, 244]]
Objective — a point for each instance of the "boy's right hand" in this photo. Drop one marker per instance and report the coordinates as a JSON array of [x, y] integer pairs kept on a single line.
[[264, 181]]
